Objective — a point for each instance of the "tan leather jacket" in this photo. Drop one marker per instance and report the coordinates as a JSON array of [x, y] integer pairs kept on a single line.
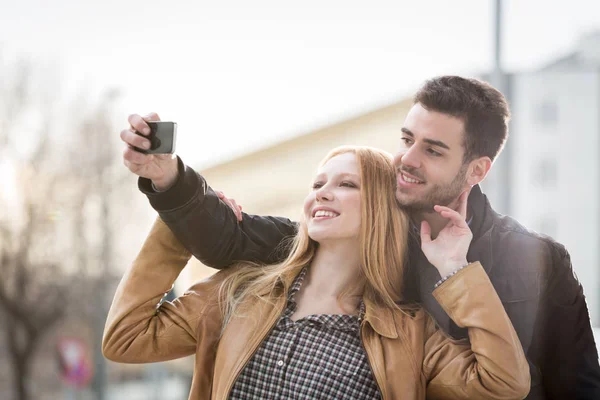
[[410, 358]]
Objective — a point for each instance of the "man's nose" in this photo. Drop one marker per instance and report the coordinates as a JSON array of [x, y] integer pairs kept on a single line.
[[409, 157]]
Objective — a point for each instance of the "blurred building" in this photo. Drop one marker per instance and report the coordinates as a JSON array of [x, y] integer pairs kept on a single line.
[[552, 160]]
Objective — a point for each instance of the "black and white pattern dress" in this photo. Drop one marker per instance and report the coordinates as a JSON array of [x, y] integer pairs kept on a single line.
[[316, 357]]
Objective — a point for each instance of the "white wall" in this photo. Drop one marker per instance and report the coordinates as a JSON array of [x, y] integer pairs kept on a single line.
[[556, 168]]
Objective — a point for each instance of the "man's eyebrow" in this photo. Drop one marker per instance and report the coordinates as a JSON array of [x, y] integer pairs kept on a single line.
[[407, 131], [433, 142]]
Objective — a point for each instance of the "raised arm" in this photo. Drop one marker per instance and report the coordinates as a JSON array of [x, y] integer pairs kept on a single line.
[[209, 228], [493, 365], [205, 225], [139, 328]]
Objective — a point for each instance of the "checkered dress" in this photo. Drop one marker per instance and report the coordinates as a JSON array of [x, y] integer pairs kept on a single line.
[[316, 357]]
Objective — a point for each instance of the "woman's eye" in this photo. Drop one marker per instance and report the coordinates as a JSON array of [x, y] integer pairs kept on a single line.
[[317, 185], [348, 184]]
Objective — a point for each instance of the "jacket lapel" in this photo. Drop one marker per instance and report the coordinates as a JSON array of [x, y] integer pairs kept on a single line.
[[482, 225], [381, 319], [241, 338]]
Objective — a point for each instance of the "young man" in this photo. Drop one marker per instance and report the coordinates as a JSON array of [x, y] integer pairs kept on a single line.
[[449, 140]]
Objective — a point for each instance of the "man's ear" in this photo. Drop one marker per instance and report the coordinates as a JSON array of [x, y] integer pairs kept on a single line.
[[478, 170]]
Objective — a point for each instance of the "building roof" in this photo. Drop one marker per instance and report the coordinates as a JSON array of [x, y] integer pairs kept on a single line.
[[586, 55], [321, 133]]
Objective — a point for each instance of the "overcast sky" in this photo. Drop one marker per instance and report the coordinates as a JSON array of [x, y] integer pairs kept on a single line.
[[237, 75]]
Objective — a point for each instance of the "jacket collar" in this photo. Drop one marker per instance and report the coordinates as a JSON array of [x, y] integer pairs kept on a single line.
[[381, 319], [482, 226], [481, 221]]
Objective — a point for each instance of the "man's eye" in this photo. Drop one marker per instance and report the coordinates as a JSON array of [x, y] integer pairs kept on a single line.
[[434, 153], [406, 140]]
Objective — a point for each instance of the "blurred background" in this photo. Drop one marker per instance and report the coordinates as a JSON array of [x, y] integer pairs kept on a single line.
[[260, 91]]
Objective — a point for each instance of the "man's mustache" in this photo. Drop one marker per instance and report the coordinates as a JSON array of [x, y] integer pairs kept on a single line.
[[411, 171]]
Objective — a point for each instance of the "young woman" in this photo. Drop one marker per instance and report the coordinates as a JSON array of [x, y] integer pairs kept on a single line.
[[326, 323]]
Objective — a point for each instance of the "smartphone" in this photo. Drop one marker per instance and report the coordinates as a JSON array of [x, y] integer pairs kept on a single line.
[[163, 135]]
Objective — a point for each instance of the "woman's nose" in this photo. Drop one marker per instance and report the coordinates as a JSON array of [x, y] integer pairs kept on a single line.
[[324, 194]]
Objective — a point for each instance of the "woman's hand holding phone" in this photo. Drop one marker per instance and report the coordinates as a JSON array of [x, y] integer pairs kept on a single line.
[[161, 169]]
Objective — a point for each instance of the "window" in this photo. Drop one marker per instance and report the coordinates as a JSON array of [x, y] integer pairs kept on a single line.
[[546, 113], [545, 173]]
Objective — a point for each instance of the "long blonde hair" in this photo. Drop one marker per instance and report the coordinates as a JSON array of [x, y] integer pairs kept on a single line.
[[383, 240]]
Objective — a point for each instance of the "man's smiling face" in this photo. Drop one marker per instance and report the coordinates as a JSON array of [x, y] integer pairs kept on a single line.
[[430, 162]]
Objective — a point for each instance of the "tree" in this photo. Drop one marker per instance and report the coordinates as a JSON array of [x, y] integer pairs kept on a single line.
[[55, 227]]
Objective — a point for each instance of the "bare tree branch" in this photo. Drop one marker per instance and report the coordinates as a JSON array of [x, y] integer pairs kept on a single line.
[[47, 262]]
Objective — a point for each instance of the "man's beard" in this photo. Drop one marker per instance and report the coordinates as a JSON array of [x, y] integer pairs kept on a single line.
[[438, 194]]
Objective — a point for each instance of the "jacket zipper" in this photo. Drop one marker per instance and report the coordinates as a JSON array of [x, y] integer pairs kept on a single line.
[[375, 374], [253, 349]]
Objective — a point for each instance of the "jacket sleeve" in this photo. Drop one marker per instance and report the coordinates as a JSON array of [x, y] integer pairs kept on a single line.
[[569, 356], [139, 328], [208, 228], [493, 366]]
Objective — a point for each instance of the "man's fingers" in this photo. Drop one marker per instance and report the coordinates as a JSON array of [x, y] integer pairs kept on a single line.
[[133, 167], [451, 214], [135, 161], [237, 210], [136, 157], [133, 139], [138, 124], [234, 207], [152, 117]]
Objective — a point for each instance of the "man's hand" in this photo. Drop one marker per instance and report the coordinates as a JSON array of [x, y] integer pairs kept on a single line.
[[160, 168], [448, 252], [237, 210]]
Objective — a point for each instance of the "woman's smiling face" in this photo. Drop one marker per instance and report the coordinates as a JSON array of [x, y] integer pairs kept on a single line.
[[332, 209]]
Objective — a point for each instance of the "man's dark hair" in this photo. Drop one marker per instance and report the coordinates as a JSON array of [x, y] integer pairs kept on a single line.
[[481, 107]]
